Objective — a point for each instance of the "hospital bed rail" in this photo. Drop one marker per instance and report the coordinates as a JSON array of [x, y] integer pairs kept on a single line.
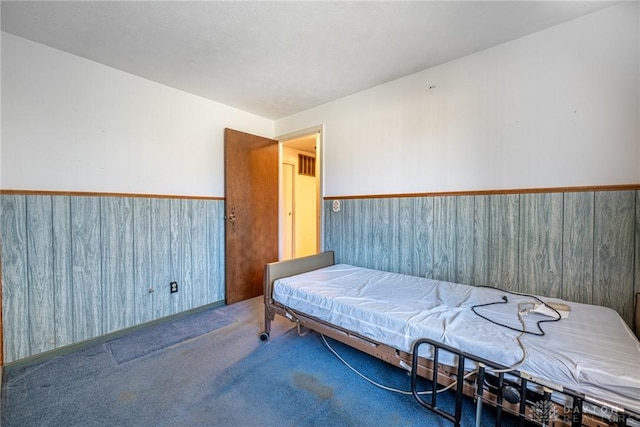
[[520, 395]]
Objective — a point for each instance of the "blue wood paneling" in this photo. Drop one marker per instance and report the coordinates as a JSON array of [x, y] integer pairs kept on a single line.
[[86, 267], [444, 238], [144, 291], [77, 267], [362, 236], [381, 241], [406, 236], [180, 255], [540, 254], [407, 240], [117, 263], [391, 234], [42, 336], [199, 254], [95, 264], [578, 246], [481, 241], [453, 238], [216, 228], [161, 274], [614, 251], [504, 241], [64, 297], [15, 291], [465, 237], [424, 231]]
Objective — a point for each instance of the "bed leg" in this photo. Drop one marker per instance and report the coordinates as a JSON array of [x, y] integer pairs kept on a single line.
[[478, 411], [576, 413], [267, 328], [268, 316], [479, 394]]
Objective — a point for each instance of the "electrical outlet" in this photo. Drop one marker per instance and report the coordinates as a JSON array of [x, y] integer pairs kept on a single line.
[[174, 287]]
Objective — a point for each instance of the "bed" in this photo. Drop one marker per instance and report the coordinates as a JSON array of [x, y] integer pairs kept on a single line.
[[577, 364]]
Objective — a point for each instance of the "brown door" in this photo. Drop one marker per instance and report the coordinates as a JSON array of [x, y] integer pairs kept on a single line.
[[251, 212]]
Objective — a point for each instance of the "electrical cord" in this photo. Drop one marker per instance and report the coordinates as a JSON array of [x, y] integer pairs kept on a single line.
[[505, 300], [384, 387], [514, 367], [522, 347], [473, 372], [523, 330]]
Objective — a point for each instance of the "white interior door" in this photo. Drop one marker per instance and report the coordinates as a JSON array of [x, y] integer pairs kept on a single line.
[[287, 215]]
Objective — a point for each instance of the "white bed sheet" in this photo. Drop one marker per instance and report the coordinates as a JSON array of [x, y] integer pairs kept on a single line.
[[592, 351]]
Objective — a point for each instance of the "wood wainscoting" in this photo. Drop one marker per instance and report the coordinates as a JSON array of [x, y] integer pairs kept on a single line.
[[579, 244], [76, 266]]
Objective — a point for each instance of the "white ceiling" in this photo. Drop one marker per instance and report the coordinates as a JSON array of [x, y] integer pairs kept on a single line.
[[276, 58]]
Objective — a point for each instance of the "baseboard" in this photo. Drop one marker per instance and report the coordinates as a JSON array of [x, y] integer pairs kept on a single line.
[[637, 315], [106, 337], [1, 392]]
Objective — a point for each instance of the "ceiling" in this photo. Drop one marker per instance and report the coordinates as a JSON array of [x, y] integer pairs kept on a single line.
[[304, 143], [276, 58]]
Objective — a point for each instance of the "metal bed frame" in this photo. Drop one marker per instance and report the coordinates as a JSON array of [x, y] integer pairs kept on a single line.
[[526, 399], [513, 393]]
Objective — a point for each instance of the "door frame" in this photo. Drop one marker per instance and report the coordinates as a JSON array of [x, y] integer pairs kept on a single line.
[[318, 129]]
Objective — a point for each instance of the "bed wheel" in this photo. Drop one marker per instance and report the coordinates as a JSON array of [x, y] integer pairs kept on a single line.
[[264, 336]]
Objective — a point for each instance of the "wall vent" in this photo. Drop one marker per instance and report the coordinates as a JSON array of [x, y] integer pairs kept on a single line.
[[306, 165]]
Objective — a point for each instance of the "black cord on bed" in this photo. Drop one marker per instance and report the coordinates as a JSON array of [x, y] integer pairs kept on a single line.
[[505, 300]]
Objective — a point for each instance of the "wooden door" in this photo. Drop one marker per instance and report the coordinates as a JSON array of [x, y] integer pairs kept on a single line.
[[251, 212]]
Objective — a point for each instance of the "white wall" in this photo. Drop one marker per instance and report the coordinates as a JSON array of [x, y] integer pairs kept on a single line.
[[556, 108], [69, 124]]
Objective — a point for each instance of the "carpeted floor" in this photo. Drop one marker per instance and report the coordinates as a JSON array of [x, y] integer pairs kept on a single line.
[[296, 381], [210, 369]]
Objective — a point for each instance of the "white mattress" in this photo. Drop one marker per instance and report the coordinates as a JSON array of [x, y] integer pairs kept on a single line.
[[592, 351]]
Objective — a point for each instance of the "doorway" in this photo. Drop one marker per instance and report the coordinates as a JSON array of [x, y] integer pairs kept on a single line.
[[300, 205]]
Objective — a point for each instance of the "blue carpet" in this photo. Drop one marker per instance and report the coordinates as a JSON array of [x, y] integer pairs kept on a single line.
[[286, 381], [92, 386], [296, 381], [150, 340]]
